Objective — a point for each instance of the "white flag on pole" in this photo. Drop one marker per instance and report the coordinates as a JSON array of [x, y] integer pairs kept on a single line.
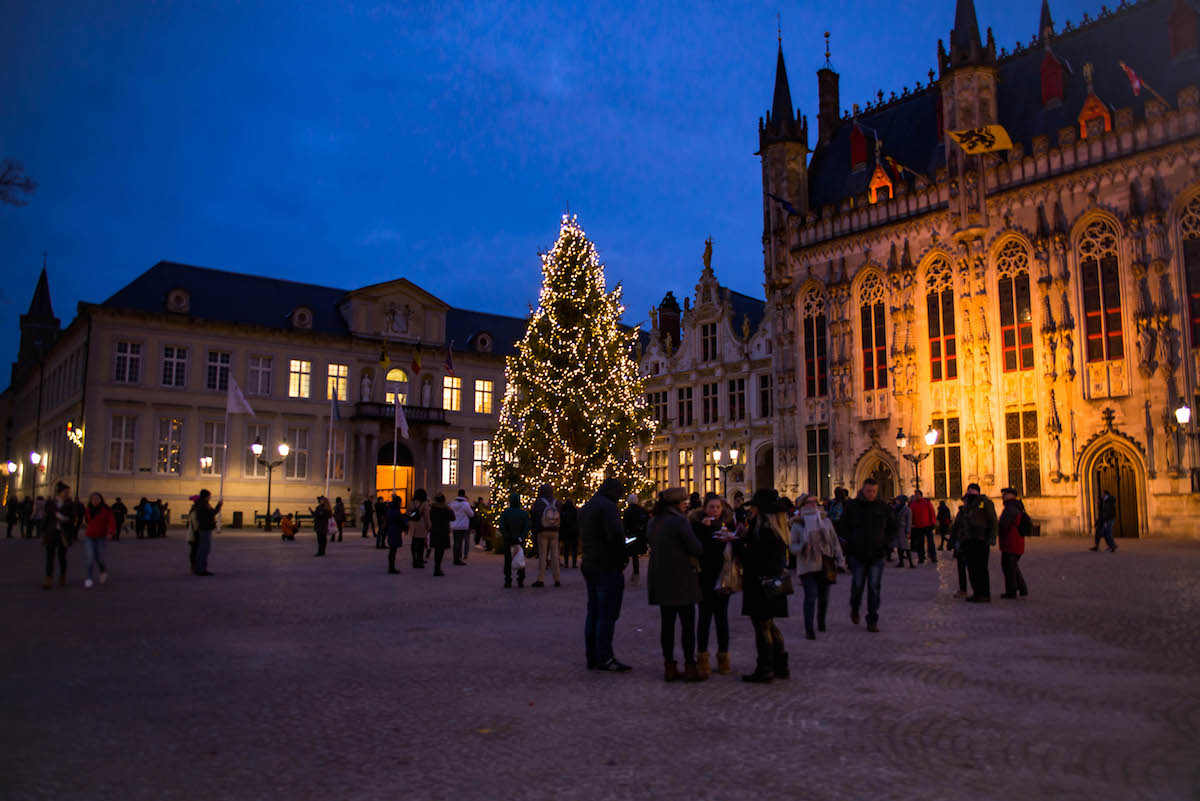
[[235, 401], [401, 420]]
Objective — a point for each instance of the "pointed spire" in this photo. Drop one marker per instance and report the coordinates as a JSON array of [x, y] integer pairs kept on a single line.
[[1046, 23], [39, 307], [781, 106], [966, 27]]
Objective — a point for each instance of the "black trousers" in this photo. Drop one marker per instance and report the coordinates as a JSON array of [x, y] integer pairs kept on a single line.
[[368, 525], [508, 569], [418, 552], [570, 551], [56, 550], [340, 523], [1014, 581], [714, 609], [687, 621], [139, 528], [977, 567], [768, 643], [960, 559], [438, 553], [392, 558], [320, 542]]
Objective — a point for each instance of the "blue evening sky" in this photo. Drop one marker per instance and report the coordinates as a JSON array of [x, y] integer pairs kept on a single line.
[[349, 143]]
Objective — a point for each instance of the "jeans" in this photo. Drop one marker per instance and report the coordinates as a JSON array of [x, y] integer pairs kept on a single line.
[[56, 550], [548, 554], [686, 614], [977, 552], [1014, 582], [871, 575], [95, 555], [461, 543], [922, 543], [418, 552], [714, 609], [203, 546], [768, 643], [1105, 530], [605, 590], [816, 600], [508, 568]]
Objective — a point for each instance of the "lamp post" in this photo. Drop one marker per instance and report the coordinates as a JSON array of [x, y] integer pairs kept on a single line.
[[257, 449], [725, 468], [1183, 416], [931, 438]]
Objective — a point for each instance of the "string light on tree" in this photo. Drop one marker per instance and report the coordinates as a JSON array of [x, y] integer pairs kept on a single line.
[[574, 407]]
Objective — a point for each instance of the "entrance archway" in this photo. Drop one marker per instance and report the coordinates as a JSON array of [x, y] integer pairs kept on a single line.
[[1114, 462], [394, 478], [764, 467], [875, 465], [1115, 473]]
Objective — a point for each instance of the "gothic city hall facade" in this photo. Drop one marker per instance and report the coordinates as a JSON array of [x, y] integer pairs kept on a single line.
[[949, 307]]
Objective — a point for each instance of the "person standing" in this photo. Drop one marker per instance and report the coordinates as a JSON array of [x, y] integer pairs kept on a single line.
[[141, 514], [39, 514], [944, 520], [397, 524], [816, 545], [975, 529], [119, 513], [739, 507], [903, 517], [380, 518], [418, 528], [713, 526], [101, 525], [322, 515], [11, 514], [56, 524], [339, 518], [869, 530], [367, 510], [763, 551], [26, 513], [569, 534], [671, 582], [634, 521], [924, 517], [461, 526], [547, 520], [206, 521], [603, 571], [1106, 518], [1014, 524], [960, 555], [514, 528], [837, 507], [440, 518]]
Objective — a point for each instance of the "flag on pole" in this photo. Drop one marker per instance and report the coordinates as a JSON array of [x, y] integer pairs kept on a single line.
[[335, 411], [401, 420], [1135, 82], [235, 401], [985, 139], [416, 361], [450, 358], [786, 206]]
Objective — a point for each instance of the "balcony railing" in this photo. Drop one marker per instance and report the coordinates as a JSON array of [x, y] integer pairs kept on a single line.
[[367, 410]]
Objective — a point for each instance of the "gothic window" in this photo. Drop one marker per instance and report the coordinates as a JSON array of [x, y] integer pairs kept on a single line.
[[1189, 229], [708, 342], [873, 332], [815, 344], [939, 308], [1101, 292], [817, 448], [1016, 319], [947, 459], [1021, 439], [684, 395]]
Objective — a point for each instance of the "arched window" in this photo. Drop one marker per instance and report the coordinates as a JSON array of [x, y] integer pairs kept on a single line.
[[1016, 319], [873, 333], [812, 307], [939, 306], [1189, 229], [1101, 292], [397, 386]]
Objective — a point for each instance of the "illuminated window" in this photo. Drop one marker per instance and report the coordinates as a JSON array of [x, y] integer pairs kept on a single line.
[[947, 459], [299, 378], [1024, 467], [656, 463], [812, 307], [170, 446], [174, 366], [338, 381], [873, 334], [712, 476], [483, 397], [687, 469], [1016, 318], [939, 306], [452, 393], [212, 449], [127, 363], [396, 385], [1101, 292], [449, 462], [483, 452]]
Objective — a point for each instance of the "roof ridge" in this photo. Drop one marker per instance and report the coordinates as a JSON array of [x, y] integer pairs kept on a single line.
[[243, 275], [1068, 29]]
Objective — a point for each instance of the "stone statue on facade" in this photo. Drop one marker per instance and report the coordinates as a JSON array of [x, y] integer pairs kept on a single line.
[[364, 388], [708, 243]]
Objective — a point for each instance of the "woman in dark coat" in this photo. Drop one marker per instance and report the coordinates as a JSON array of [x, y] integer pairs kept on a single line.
[[763, 551], [440, 516], [397, 523], [673, 582], [713, 526]]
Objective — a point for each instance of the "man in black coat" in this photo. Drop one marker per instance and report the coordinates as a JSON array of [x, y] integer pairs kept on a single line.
[[975, 528], [869, 528], [603, 569]]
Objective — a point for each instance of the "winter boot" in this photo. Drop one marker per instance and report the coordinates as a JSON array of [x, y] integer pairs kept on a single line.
[[702, 664], [781, 665], [723, 666], [691, 673], [672, 671]]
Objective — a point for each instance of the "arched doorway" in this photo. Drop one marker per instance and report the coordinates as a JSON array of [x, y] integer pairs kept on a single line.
[[764, 467], [1114, 472], [394, 477], [875, 465]]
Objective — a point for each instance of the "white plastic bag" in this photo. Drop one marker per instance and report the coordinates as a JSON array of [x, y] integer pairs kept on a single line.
[[518, 560]]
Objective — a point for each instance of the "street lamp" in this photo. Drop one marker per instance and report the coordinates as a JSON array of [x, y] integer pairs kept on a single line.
[[12, 467], [1183, 414], [725, 468], [35, 458], [931, 438], [257, 450]]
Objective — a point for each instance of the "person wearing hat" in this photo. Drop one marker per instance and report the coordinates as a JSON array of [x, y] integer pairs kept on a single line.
[[869, 530], [1013, 525], [672, 583], [975, 530], [603, 568], [762, 549], [813, 540]]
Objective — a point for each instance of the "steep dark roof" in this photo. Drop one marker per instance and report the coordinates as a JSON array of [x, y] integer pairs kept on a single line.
[[1136, 35], [966, 26], [781, 105], [754, 308], [240, 298], [40, 307]]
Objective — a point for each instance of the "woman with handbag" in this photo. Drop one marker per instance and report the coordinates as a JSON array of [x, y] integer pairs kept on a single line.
[[818, 560], [672, 581], [762, 548], [713, 526]]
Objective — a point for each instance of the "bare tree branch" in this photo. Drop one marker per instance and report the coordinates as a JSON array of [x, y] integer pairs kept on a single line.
[[14, 183]]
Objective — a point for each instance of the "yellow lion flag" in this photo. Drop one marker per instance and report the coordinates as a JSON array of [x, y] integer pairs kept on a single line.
[[987, 139]]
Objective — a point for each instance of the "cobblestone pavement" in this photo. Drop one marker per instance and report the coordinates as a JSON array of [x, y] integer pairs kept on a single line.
[[289, 677]]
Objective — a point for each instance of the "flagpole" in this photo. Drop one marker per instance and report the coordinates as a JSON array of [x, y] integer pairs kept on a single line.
[[395, 437], [224, 457], [329, 454]]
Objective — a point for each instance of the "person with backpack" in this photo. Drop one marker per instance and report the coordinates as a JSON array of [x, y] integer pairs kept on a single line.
[[975, 531], [397, 523], [547, 520], [418, 528], [514, 528], [1014, 526], [460, 527], [634, 521]]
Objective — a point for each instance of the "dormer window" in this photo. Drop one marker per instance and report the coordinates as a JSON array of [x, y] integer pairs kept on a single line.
[[179, 301], [483, 343], [302, 318], [880, 180], [1094, 118]]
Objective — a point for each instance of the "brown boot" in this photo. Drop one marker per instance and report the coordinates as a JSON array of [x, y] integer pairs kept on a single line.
[[723, 666], [47, 583], [702, 664], [672, 672], [692, 674]]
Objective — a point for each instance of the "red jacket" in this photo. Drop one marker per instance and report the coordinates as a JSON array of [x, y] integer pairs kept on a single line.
[[1010, 538], [923, 513], [101, 525]]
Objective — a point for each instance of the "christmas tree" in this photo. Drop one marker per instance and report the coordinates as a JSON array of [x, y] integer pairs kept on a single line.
[[574, 406]]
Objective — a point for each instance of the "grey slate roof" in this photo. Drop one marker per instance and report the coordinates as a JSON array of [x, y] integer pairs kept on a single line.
[[754, 308]]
